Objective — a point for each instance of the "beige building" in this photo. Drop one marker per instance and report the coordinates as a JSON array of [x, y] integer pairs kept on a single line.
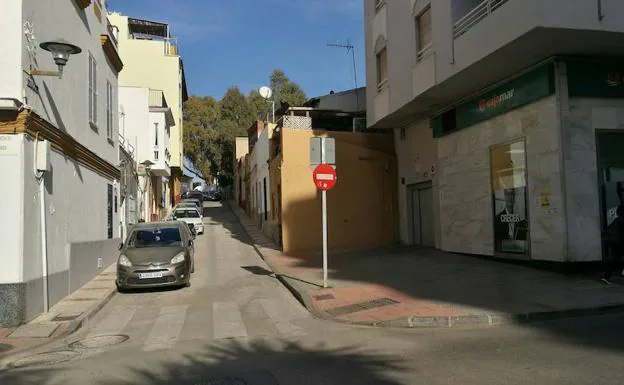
[[285, 203], [509, 122], [152, 61]]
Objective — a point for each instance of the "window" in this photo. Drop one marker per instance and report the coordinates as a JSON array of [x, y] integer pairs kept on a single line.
[[379, 3], [109, 111], [402, 134], [156, 155], [382, 67], [509, 195], [92, 90], [155, 134], [423, 33]]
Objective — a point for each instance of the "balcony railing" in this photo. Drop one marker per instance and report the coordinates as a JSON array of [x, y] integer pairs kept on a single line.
[[424, 52], [111, 32], [480, 12]]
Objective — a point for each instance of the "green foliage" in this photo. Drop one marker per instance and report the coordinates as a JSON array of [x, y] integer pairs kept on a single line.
[[286, 91], [211, 126]]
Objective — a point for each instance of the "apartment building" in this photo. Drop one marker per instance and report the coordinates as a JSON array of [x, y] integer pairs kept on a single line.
[[508, 118], [58, 152], [147, 120], [152, 61]]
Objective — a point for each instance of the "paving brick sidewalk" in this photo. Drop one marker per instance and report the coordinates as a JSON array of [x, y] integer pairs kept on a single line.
[[408, 287], [64, 317]]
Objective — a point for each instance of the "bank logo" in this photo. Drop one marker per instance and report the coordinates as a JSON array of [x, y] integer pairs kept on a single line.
[[494, 101]]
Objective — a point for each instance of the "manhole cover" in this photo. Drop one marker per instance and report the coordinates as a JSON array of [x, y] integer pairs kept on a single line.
[[99, 342], [49, 358], [5, 347]]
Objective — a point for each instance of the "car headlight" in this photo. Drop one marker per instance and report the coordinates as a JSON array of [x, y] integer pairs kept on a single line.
[[178, 259], [124, 261]]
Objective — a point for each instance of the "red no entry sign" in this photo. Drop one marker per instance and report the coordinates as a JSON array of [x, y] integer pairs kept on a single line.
[[324, 177]]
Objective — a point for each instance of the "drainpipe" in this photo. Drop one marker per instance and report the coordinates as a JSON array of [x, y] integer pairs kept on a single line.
[[599, 9], [40, 175]]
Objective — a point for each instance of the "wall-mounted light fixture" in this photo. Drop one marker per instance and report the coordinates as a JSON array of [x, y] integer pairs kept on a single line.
[[60, 50]]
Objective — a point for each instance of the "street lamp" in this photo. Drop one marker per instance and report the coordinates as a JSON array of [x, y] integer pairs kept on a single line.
[[60, 49]]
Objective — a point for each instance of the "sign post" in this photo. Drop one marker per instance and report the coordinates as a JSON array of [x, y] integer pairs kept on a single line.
[[324, 177]]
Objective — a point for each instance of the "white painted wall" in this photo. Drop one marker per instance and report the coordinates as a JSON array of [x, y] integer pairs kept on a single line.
[[64, 102], [134, 103], [262, 158], [164, 140], [76, 197], [11, 59], [11, 207]]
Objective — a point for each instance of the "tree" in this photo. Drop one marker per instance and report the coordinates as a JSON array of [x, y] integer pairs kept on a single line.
[[201, 116], [236, 109], [211, 126], [259, 105], [285, 91]]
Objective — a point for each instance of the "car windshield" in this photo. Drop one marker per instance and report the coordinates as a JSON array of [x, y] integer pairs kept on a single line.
[[155, 238], [186, 214]]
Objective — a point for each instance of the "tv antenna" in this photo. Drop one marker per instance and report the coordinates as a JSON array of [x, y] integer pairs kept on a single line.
[[350, 48]]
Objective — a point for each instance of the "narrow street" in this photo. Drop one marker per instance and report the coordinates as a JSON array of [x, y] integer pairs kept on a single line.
[[236, 324]]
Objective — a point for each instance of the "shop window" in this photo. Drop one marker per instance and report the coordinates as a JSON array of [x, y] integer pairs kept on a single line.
[[509, 192]]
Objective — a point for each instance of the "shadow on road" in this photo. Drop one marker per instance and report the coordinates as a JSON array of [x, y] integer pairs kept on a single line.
[[462, 281], [236, 363]]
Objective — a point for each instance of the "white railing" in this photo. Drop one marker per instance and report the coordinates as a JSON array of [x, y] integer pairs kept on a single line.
[[480, 12], [424, 52]]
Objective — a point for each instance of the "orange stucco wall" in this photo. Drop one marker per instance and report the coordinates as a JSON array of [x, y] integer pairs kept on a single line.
[[361, 208]]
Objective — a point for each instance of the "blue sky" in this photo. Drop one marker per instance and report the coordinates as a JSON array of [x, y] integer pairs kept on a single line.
[[239, 42]]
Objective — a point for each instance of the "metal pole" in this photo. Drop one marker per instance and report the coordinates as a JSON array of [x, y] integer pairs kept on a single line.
[[324, 204], [44, 244]]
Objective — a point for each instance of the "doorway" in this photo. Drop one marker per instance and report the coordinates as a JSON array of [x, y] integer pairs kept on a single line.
[[420, 214], [610, 149]]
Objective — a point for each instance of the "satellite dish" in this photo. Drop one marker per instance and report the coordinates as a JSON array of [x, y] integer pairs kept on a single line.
[[265, 92]]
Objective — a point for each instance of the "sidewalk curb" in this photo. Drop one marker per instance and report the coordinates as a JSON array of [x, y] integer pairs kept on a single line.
[[290, 284], [83, 320], [66, 331], [483, 319]]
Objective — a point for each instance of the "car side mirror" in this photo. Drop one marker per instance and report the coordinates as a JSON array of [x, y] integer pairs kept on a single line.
[[190, 242]]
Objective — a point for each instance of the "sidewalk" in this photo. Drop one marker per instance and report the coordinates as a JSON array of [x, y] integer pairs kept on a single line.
[[409, 287], [64, 318]]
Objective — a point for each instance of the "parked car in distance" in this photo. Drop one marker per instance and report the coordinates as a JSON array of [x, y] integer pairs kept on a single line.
[[156, 254], [197, 202], [191, 216]]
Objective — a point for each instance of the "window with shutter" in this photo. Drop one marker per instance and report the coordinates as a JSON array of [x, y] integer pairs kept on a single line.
[[109, 110], [382, 67], [423, 33]]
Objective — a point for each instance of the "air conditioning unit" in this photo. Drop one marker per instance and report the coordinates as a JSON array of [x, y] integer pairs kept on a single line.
[[359, 124]]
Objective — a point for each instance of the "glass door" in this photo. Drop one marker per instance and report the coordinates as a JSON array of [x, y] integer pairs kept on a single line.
[[610, 147]]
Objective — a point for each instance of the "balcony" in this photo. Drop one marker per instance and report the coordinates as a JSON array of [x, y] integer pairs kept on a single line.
[[109, 45], [112, 32], [161, 164], [478, 13], [153, 31]]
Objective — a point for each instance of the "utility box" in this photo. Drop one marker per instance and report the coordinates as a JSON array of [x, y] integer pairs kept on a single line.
[[43, 155]]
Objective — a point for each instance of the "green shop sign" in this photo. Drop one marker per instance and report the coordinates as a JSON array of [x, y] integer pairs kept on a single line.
[[593, 78], [525, 89]]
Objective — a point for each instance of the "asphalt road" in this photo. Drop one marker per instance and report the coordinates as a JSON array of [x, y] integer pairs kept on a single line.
[[237, 325]]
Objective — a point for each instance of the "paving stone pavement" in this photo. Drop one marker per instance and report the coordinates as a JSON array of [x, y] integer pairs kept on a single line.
[[233, 294], [409, 287]]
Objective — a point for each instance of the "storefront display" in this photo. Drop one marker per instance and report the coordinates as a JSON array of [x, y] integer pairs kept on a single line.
[[509, 190]]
